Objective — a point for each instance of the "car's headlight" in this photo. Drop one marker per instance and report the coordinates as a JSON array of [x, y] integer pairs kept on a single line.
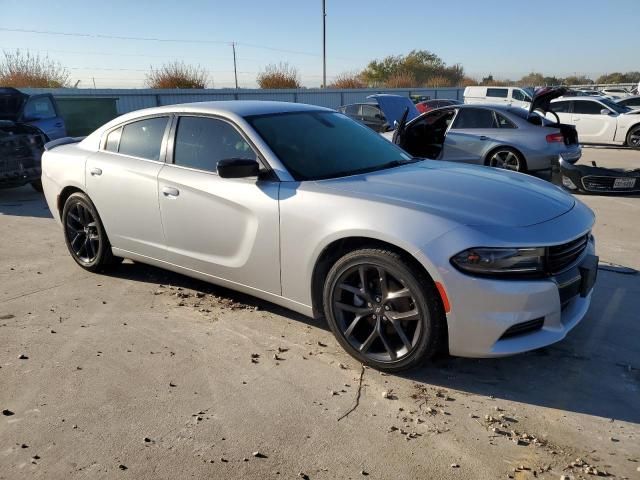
[[500, 261]]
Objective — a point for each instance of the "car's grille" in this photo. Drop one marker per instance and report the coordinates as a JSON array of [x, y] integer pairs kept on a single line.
[[560, 257], [522, 328], [593, 183]]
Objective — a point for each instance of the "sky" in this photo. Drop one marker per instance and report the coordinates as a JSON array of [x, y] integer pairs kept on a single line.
[[507, 38]]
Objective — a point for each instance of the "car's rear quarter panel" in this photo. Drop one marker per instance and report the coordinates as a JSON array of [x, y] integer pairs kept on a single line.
[[62, 167]]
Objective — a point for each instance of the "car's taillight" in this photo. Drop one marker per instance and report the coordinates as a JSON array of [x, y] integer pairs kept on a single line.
[[555, 137]]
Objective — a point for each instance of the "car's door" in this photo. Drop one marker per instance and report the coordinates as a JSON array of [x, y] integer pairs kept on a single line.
[[224, 227], [372, 117], [592, 125], [467, 139], [122, 182], [40, 111]]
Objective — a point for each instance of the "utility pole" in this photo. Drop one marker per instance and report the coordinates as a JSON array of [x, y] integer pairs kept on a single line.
[[324, 45], [235, 70]]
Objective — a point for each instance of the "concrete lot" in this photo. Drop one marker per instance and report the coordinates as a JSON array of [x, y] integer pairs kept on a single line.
[[144, 374]]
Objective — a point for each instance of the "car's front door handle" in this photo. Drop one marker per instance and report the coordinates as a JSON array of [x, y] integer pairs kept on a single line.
[[483, 137], [170, 192], [58, 124], [95, 171]]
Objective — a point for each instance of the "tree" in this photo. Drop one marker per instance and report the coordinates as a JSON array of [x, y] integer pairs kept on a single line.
[[552, 81], [533, 79], [578, 80], [280, 75], [489, 81], [401, 80], [348, 80], [177, 75], [24, 70], [421, 65], [618, 77]]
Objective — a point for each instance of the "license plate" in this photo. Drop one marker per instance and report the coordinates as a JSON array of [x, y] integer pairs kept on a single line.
[[624, 183]]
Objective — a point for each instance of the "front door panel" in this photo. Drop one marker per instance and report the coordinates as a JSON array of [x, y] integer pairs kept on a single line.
[[227, 228]]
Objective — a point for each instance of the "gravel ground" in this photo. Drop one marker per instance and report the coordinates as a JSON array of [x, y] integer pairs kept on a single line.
[[145, 374]]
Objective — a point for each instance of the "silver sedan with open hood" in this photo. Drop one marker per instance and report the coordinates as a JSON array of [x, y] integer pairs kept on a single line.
[[306, 208]]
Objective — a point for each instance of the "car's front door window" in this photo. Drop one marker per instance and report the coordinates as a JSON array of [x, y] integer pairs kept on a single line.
[[202, 142]]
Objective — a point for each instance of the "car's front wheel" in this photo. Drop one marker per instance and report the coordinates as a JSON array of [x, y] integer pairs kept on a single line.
[[382, 310], [84, 234], [633, 137], [508, 159]]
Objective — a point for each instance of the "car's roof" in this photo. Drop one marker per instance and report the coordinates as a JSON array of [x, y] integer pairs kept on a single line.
[[579, 99], [630, 97], [242, 108]]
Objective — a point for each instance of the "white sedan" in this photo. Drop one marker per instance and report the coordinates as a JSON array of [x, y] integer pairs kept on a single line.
[[599, 120]]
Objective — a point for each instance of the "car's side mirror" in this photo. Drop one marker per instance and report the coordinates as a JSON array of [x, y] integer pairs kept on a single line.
[[605, 111], [238, 168]]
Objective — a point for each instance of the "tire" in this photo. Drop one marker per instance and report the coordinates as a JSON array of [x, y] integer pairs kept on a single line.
[[84, 234], [37, 185], [365, 321], [508, 159], [633, 137]]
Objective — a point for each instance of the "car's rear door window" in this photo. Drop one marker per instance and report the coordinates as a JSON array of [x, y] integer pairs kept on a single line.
[[353, 109], [587, 107], [113, 140], [370, 111], [143, 138], [503, 122], [561, 107], [202, 142], [475, 118]]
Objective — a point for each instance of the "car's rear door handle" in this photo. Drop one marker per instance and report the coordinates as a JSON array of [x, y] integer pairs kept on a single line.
[[484, 137], [95, 171], [57, 124], [170, 192]]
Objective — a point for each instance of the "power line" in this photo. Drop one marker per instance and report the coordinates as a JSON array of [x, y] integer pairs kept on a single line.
[[151, 39]]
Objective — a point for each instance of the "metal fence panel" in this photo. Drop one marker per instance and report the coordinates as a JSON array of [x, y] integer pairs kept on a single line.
[[129, 100]]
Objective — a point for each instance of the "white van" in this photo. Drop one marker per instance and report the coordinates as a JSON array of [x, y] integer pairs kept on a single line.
[[519, 97]]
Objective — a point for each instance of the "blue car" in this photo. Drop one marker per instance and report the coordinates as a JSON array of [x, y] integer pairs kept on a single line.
[[27, 122]]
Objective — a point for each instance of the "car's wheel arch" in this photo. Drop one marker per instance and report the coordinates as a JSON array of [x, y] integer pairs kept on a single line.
[[340, 247], [492, 150], [629, 130], [65, 193]]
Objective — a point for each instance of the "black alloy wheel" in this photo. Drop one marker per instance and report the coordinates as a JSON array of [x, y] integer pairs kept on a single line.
[[382, 311], [84, 234]]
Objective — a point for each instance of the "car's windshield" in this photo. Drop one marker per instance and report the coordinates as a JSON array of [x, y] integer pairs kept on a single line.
[[316, 145], [616, 107]]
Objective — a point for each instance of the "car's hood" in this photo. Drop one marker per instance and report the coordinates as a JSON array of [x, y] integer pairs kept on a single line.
[[542, 98], [11, 101], [394, 106], [467, 194]]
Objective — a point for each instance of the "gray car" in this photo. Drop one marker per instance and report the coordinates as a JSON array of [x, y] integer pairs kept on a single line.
[[301, 206], [493, 135]]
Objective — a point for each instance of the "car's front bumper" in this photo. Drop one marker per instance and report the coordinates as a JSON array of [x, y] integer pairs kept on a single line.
[[492, 318], [592, 179], [485, 312]]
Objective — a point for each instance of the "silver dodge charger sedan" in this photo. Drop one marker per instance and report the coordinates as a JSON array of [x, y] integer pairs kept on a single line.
[[308, 209]]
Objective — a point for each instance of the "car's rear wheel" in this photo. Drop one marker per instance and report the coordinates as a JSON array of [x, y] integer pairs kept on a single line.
[[633, 137], [508, 159], [382, 310], [84, 234]]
